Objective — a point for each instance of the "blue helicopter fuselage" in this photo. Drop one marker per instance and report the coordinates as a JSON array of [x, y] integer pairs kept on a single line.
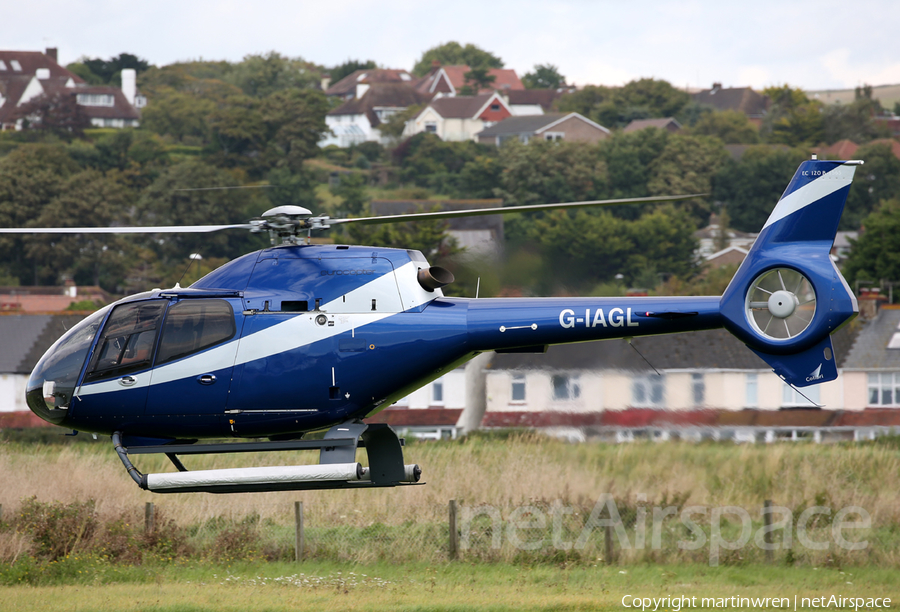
[[298, 338]]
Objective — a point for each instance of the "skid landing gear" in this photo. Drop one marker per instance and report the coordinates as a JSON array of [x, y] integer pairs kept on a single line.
[[337, 467]]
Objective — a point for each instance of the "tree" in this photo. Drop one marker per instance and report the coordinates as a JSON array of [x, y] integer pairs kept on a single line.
[[57, 113], [31, 176], [263, 75], [429, 237], [876, 255], [84, 199], [877, 180], [730, 126], [793, 119], [477, 79], [349, 67], [109, 71], [854, 121], [750, 188], [351, 188], [295, 122], [454, 54], [590, 247], [544, 76], [687, 165], [182, 116]]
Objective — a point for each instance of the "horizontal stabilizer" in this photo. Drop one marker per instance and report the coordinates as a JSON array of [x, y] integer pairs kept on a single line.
[[812, 366]]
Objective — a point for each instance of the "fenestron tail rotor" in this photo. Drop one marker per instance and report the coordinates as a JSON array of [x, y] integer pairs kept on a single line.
[[781, 303]]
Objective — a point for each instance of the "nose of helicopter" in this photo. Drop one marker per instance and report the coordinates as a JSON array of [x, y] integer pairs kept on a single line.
[[55, 377]]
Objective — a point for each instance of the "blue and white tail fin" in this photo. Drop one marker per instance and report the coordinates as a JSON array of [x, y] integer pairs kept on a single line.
[[788, 296]]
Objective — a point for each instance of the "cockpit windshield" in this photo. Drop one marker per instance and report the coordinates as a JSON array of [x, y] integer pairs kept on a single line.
[[53, 380]]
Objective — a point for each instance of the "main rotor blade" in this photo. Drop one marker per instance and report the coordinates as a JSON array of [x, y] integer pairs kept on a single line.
[[159, 229], [450, 214]]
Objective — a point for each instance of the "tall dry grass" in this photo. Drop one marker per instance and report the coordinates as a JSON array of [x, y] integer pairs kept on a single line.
[[503, 473]]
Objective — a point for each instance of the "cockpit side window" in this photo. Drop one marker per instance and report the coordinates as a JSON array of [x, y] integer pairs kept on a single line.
[[194, 325], [127, 340]]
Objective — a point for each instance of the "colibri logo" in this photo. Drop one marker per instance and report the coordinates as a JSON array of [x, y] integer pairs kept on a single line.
[[816, 374]]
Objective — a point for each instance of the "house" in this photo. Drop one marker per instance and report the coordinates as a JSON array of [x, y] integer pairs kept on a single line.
[[25, 338], [357, 120], [571, 127], [871, 371], [450, 80], [712, 246], [435, 411], [743, 99], [354, 85], [668, 124], [459, 117], [482, 235], [49, 300], [25, 75], [531, 101]]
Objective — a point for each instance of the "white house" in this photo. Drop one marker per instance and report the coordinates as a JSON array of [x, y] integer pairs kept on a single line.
[[460, 117], [358, 119]]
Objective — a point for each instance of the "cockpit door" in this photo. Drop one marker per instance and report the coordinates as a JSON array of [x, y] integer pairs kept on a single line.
[[195, 359]]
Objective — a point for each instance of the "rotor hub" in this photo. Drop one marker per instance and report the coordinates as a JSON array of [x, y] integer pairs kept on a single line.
[[782, 304]]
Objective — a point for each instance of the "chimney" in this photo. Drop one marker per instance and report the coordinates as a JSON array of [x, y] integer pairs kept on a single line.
[[326, 82], [869, 300], [71, 290], [51, 52], [129, 84]]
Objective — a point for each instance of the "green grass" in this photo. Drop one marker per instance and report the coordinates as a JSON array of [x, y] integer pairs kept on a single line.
[[177, 587]]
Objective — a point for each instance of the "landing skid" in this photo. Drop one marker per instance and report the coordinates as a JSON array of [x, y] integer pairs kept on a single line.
[[337, 467]]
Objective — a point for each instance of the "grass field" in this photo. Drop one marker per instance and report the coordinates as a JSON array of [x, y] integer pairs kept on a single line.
[[392, 547], [458, 586]]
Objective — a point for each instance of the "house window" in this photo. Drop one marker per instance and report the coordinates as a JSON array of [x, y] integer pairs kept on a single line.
[[2, 65], [495, 107], [95, 100], [565, 387], [15, 65], [554, 136], [431, 127], [648, 391], [752, 390], [517, 389], [793, 398], [437, 393], [698, 389], [884, 389]]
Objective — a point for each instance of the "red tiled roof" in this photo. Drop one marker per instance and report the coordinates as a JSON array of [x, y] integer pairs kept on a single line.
[[505, 79], [427, 417]]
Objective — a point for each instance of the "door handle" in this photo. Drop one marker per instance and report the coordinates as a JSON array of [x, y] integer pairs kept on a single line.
[[127, 381], [206, 379]]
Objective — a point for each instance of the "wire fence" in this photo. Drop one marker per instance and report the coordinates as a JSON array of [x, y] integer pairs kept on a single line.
[[608, 531]]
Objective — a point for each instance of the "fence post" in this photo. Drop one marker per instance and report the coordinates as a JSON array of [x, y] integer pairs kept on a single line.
[[608, 544], [454, 533], [298, 531], [1, 513], [767, 521], [149, 518]]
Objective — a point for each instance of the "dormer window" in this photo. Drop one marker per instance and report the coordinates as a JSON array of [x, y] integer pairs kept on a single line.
[[15, 65], [95, 99], [2, 65]]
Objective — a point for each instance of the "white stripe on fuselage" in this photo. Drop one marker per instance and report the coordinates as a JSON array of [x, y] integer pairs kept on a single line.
[[296, 332], [814, 191]]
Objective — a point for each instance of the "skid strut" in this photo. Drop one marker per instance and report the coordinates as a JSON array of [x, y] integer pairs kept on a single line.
[[337, 467]]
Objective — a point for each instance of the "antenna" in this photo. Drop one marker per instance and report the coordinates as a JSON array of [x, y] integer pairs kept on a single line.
[[629, 340]]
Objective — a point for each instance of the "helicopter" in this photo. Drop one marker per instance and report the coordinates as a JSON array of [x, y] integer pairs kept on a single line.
[[300, 337]]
